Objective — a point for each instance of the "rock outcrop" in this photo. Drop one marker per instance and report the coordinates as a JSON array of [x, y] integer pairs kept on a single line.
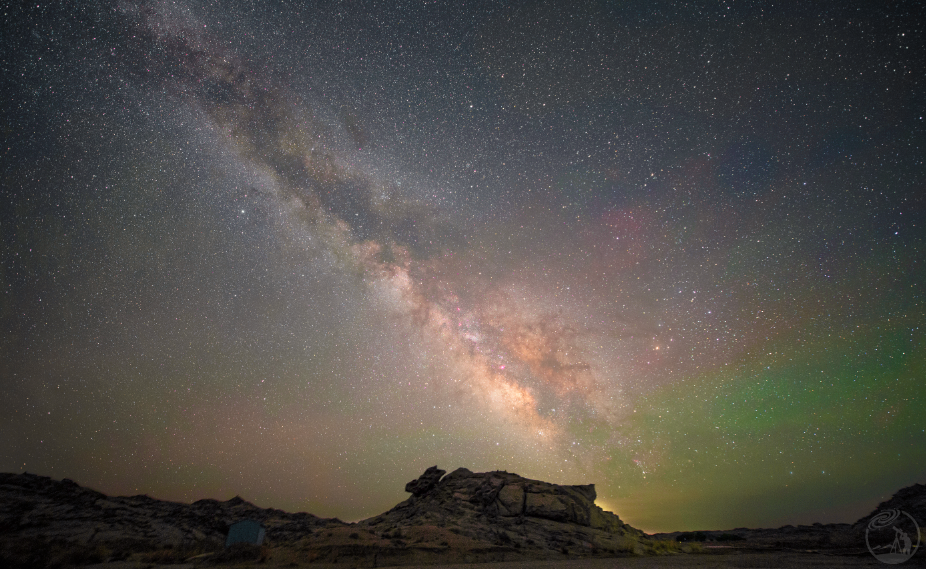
[[41, 518], [424, 483], [460, 517], [911, 500], [510, 514], [504, 495]]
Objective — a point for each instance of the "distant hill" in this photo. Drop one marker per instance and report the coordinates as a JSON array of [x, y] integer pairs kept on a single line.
[[847, 537], [911, 500]]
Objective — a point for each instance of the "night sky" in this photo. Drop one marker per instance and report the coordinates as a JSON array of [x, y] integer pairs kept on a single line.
[[300, 253]]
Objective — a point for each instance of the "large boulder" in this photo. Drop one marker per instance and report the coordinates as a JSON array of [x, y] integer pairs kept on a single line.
[[548, 506], [511, 500], [464, 495], [424, 483], [570, 504], [500, 516]]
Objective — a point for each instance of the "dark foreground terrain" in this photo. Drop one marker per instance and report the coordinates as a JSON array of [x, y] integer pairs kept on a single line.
[[463, 518], [708, 561]]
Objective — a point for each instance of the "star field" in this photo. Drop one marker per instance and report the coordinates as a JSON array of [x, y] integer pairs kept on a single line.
[[299, 253]]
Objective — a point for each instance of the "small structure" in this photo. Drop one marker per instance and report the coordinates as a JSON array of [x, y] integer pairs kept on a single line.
[[246, 531]]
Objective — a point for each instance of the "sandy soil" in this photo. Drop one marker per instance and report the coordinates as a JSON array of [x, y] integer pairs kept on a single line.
[[718, 560], [744, 560], [750, 560]]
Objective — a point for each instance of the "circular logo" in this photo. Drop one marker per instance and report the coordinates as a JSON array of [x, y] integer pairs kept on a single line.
[[890, 536]]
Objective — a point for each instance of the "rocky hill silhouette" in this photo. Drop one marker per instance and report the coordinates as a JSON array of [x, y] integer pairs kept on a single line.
[[847, 538], [481, 514], [911, 500], [459, 517]]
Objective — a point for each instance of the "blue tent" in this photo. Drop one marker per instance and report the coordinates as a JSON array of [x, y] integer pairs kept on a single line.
[[246, 531]]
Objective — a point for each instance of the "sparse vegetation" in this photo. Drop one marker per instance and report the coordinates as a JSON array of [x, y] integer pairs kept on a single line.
[[662, 546], [695, 548], [625, 545]]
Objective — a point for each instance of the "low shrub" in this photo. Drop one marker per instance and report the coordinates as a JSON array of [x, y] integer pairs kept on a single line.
[[626, 545], [695, 548], [661, 546]]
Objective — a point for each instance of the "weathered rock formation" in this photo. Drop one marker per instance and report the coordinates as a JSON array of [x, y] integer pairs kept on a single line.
[[461, 517], [37, 506], [463, 494], [503, 516], [424, 483], [44, 522]]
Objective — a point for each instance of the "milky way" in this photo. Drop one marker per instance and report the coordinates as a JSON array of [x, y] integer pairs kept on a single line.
[[302, 253]]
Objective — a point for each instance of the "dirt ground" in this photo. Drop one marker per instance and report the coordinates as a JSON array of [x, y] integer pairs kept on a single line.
[[703, 561], [712, 560]]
